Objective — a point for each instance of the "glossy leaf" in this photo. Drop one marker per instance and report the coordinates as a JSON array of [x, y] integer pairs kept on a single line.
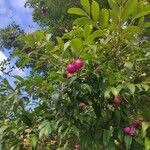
[[128, 141], [76, 44], [104, 18], [77, 11], [86, 5], [95, 10]]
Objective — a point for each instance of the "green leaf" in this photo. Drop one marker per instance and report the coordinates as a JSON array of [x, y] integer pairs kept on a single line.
[[142, 12], [120, 87], [8, 85], [76, 44], [106, 136], [145, 126], [33, 141], [77, 11], [114, 91], [131, 29], [95, 10], [3, 128], [111, 146], [147, 143], [66, 45], [18, 78], [60, 42], [129, 7], [139, 140], [146, 87], [113, 4], [82, 21], [87, 31], [128, 65], [45, 128], [128, 141], [147, 24], [107, 93], [86, 5], [120, 135], [94, 35], [131, 87], [12, 148], [48, 37], [104, 18], [115, 12]]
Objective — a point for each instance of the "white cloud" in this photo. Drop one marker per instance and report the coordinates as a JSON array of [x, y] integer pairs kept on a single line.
[[18, 4], [15, 71], [2, 56], [14, 10]]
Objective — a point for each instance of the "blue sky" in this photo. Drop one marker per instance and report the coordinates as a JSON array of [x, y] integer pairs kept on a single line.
[[14, 10]]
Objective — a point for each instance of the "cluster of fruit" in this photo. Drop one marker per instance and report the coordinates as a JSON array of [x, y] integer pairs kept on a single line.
[[74, 68], [131, 130]]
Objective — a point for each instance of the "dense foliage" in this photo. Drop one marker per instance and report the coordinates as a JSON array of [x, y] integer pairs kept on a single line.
[[93, 91], [9, 34], [52, 14]]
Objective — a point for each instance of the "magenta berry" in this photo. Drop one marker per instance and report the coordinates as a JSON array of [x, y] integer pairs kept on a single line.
[[71, 68], [98, 69], [132, 131], [129, 130], [77, 146], [126, 130], [117, 100], [78, 64], [82, 106], [136, 123]]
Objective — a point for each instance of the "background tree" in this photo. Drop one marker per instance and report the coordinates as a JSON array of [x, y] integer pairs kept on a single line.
[[95, 94], [9, 34], [53, 14]]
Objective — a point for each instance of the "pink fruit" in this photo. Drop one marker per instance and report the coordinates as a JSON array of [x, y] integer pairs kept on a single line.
[[71, 68], [77, 146], [136, 123], [82, 106], [98, 69], [132, 131], [69, 75], [78, 64], [129, 130], [117, 100], [126, 130]]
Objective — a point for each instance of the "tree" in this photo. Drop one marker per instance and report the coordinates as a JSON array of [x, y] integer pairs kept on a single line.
[[95, 94], [9, 34], [53, 14]]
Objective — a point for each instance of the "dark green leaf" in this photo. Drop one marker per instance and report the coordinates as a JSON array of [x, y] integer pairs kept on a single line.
[[128, 141]]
